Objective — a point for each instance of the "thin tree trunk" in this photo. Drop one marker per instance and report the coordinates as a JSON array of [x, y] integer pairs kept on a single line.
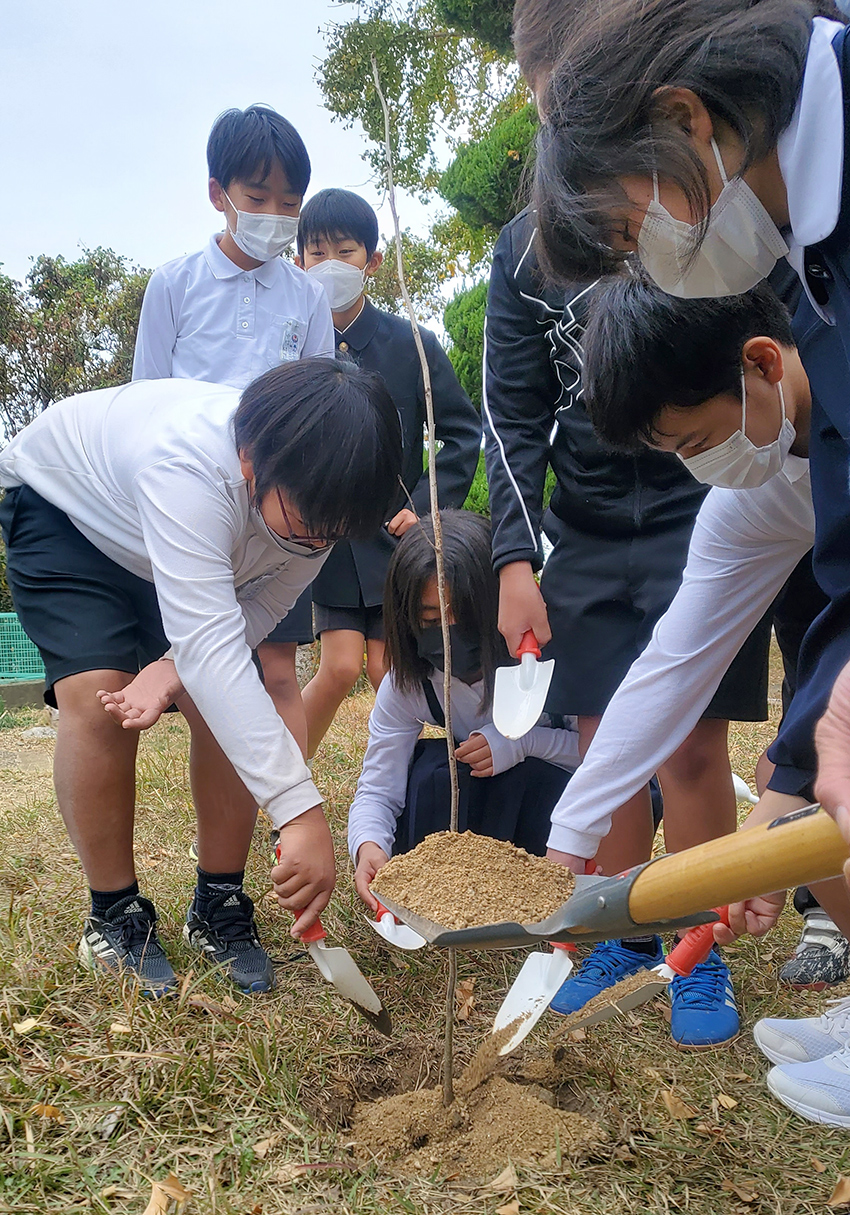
[[448, 1045]]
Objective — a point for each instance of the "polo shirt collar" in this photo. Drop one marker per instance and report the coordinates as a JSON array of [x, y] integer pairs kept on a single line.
[[223, 268], [811, 149], [360, 332]]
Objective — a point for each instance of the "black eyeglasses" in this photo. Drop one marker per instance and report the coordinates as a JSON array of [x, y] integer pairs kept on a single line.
[[316, 543]]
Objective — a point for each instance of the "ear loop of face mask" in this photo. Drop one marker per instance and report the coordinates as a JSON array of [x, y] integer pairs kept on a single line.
[[744, 407]]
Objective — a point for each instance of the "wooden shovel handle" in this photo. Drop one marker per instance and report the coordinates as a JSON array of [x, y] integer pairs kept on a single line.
[[800, 848]]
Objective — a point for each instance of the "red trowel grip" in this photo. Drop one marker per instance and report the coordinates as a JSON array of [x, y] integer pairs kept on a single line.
[[695, 945], [528, 645], [315, 933]]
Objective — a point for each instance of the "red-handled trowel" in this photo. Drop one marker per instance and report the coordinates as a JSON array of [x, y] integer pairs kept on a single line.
[[519, 693], [339, 968], [531, 993], [393, 931]]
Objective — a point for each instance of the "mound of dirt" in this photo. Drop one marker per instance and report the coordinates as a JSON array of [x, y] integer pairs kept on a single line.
[[497, 1123], [463, 880]]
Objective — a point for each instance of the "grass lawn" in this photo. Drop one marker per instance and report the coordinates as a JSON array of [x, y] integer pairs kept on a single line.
[[106, 1094]]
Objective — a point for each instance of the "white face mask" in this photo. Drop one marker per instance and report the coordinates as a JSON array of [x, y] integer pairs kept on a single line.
[[742, 244], [737, 463], [262, 236], [342, 282]]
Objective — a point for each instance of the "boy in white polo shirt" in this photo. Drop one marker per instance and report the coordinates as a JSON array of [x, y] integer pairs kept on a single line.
[[237, 308]]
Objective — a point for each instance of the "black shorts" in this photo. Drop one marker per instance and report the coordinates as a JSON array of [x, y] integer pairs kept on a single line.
[[81, 609], [604, 597], [297, 625], [366, 620]]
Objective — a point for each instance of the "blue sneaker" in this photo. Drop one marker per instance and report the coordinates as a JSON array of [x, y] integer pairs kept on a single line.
[[704, 1012], [608, 963]]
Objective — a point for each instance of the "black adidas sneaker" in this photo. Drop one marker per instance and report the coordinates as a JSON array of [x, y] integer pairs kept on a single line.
[[124, 941], [227, 935]]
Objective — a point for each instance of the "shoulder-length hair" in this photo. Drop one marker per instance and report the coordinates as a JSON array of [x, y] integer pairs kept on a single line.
[[473, 591], [605, 116]]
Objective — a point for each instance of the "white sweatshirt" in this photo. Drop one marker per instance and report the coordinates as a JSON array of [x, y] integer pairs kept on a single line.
[[149, 473], [744, 545], [395, 725]]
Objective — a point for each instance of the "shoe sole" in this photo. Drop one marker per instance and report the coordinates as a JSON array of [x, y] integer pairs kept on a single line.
[[696, 1047], [807, 1112], [151, 991], [254, 989]]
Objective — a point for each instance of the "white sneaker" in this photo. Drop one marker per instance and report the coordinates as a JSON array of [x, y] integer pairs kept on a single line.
[[806, 1039], [819, 1091]]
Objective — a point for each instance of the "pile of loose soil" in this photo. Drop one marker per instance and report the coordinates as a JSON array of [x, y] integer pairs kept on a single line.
[[497, 1123], [463, 880], [606, 998]]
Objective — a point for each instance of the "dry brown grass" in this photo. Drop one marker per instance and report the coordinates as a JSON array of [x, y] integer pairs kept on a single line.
[[232, 1095]]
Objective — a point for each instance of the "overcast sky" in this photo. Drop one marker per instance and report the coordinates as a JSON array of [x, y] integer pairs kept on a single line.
[[107, 105]]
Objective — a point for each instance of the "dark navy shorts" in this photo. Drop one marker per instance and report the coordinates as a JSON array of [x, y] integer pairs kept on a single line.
[[81, 609], [297, 625], [366, 620]]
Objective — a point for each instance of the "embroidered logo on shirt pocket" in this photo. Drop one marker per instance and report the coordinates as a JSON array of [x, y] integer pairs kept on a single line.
[[293, 332]]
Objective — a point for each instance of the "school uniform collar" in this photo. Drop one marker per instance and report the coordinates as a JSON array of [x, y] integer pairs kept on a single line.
[[811, 150], [223, 268], [362, 329]]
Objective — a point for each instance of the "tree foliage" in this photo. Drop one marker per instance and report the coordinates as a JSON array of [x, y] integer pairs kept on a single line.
[[436, 79], [464, 322], [489, 21], [71, 327], [425, 270], [484, 181]]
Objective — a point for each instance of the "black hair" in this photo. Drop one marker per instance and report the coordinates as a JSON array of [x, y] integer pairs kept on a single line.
[[338, 215], [327, 433], [539, 26], [244, 143], [606, 118], [645, 350], [473, 595]]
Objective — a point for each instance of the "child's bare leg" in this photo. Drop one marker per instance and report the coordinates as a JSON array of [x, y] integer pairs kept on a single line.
[[146, 697]]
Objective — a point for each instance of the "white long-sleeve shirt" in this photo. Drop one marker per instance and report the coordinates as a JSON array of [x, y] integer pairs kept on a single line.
[[205, 319], [149, 473], [744, 546], [395, 725]]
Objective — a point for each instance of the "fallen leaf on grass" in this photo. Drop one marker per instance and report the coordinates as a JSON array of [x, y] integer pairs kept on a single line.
[[726, 1101], [26, 1026], [510, 1208], [746, 1196], [840, 1196], [213, 1007], [163, 1193], [465, 999], [818, 1165], [745, 1076], [505, 1183], [264, 1146], [578, 1035], [117, 1027], [288, 1172], [676, 1107], [51, 1112]]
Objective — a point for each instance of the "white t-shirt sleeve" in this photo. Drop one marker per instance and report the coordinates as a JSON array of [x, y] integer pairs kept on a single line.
[[157, 332], [319, 342], [557, 745], [735, 568], [394, 727], [188, 525]]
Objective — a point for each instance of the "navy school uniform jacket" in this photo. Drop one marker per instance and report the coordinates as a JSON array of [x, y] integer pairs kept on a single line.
[[825, 350], [534, 415], [355, 571]]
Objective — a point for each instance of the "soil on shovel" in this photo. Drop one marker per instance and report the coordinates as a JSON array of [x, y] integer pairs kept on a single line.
[[497, 1123], [463, 880], [606, 998]]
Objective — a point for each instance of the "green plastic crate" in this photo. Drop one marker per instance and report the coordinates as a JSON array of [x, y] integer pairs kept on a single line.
[[19, 658]]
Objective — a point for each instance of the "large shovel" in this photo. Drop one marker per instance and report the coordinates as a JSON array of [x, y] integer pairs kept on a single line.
[[800, 848], [519, 693]]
